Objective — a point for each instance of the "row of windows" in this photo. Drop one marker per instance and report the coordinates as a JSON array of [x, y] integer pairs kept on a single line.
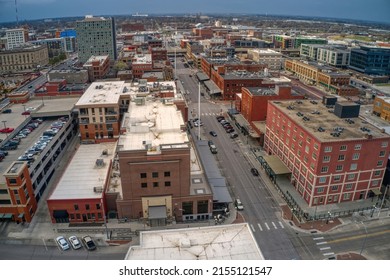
[[156, 184], [155, 174], [87, 206], [90, 216], [352, 167]]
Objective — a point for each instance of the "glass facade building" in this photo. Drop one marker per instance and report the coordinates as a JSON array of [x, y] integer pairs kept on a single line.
[[371, 60]]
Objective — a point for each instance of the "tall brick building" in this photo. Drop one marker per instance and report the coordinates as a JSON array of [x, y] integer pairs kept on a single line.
[[332, 157]]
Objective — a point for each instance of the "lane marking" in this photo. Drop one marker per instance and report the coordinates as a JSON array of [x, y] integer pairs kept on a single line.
[[261, 229], [324, 248], [274, 225], [267, 226], [328, 254], [281, 224], [320, 243], [318, 238], [253, 228], [359, 236], [44, 243]]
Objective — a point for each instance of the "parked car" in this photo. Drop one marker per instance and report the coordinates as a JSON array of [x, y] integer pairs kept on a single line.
[[74, 242], [230, 130], [7, 111], [7, 130], [4, 152], [255, 172], [210, 143], [233, 135], [26, 113], [238, 204], [61, 241], [213, 133], [89, 243], [9, 146]]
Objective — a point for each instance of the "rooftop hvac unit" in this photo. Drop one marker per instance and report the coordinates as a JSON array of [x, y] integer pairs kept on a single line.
[[99, 162], [98, 189], [105, 152]]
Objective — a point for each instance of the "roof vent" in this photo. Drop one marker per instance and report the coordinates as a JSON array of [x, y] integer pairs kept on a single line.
[[99, 162], [97, 189]]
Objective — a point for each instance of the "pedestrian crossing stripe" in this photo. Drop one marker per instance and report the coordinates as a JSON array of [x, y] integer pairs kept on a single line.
[[328, 254], [253, 228], [260, 227], [318, 238], [274, 225], [324, 248], [267, 226], [281, 224]]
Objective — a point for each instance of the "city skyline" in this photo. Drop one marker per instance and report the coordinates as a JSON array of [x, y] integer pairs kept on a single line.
[[375, 10]]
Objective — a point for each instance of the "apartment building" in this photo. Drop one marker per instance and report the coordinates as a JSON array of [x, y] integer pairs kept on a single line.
[[99, 111], [97, 67], [333, 157], [96, 36], [16, 37], [334, 56], [271, 58], [23, 59], [155, 159], [141, 63], [371, 60], [55, 46], [381, 107]]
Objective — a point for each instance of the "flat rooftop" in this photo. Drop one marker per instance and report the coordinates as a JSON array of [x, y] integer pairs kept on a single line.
[[142, 59], [266, 51], [225, 242], [321, 116], [102, 93], [83, 173], [157, 123]]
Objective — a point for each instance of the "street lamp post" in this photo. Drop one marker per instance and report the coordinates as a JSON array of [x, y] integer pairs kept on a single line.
[[373, 210], [292, 213], [5, 127], [329, 215], [104, 217]]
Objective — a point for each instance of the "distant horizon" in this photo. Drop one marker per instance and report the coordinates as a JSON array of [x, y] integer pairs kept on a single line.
[[150, 15], [376, 11]]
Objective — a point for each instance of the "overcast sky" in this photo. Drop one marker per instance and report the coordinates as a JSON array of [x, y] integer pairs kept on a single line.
[[375, 10]]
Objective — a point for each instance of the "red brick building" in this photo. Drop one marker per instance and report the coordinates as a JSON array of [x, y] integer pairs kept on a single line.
[[97, 66], [332, 158], [255, 100], [59, 87], [18, 202]]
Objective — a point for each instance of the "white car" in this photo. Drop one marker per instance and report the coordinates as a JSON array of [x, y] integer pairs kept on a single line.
[[62, 243], [75, 242]]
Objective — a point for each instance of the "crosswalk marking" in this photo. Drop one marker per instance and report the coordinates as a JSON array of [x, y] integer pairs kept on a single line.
[[328, 254], [261, 229], [253, 228], [281, 224], [324, 248], [321, 243], [274, 225], [318, 238], [267, 226]]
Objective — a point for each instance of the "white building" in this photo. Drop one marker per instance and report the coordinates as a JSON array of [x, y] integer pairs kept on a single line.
[[16, 37], [267, 56]]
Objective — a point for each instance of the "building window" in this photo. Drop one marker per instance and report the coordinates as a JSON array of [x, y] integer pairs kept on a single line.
[[353, 166], [155, 184], [377, 173], [143, 175], [379, 163], [358, 147], [76, 207], [339, 167], [316, 146], [86, 206], [326, 159], [351, 176], [97, 206], [335, 188], [343, 147], [375, 183], [337, 178], [12, 181], [324, 169], [144, 185], [154, 174], [78, 216], [167, 183], [347, 196], [341, 157], [320, 190], [355, 156], [348, 187], [328, 149], [167, 174], [382, 153], [384, 144], [322, 180]]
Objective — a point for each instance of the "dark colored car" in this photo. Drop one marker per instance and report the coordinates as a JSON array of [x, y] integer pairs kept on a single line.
[[213, 133], [210, 143], [255, 172], [89, 243], [26, 113], [7, 111]]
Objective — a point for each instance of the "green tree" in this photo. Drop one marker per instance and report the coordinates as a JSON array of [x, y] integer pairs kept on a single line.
[[120, 65]]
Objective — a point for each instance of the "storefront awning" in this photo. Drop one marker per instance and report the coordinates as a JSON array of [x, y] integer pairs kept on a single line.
[[7, 216], [376, 191], [277, 166], [60, 214], [1, 215], [21, 215], [157, 212]]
